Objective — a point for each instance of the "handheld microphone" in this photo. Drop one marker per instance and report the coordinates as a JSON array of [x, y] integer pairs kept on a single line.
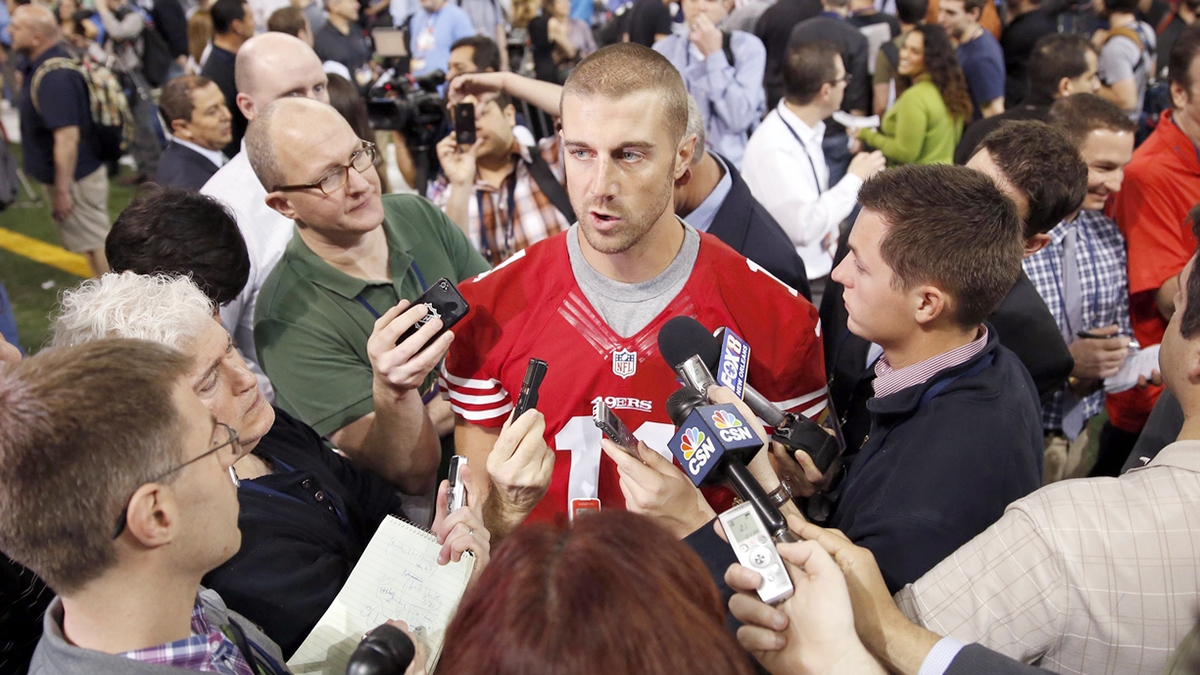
[[713, 443], [386, 650], [728, 356]]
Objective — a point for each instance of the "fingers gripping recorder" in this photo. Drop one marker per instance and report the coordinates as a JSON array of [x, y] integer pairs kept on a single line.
[[687, 346]]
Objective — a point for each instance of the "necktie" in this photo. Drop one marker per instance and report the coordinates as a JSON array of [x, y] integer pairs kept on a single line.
[[1072, 289]]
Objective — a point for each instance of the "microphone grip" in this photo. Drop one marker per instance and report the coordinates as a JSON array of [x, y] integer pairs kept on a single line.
[[763, 407], [747, 487]]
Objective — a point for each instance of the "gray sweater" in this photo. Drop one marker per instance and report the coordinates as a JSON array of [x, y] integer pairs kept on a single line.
[[55, 656]]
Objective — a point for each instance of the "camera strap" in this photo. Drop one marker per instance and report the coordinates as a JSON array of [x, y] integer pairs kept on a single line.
[[549, 185]]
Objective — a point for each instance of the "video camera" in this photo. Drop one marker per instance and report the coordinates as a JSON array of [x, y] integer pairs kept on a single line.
[[411, 106]]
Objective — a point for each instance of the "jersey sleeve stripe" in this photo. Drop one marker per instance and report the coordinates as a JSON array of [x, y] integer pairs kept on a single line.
[[467, 399], [793, 402], [815, 410], [479, 415], [467, 383]]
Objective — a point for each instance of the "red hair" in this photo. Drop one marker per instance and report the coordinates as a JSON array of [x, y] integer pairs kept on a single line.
[[615, 593]]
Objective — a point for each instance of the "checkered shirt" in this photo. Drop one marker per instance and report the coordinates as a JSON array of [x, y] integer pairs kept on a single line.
[[1094, 576], [1100, 255], [207, 650], [535, 218]]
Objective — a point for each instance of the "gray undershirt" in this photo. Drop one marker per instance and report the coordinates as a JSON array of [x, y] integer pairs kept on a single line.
[[628, 308]]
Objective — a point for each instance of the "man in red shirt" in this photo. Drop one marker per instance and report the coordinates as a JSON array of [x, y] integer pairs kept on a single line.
[[1161, 185], [590, 301]]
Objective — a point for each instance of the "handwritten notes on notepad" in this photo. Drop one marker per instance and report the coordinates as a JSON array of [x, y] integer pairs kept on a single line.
[[397, 577]]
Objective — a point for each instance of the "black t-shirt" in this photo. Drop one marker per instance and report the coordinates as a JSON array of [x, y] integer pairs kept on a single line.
[[774, 28], [303, 528], [348, 50], [62, 102], [1017, 43], [852, 45], [647, 19], [864, 20], [219, 69]]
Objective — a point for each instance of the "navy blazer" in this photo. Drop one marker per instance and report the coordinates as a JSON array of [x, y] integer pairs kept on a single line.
[[746, 227], [182, 167]]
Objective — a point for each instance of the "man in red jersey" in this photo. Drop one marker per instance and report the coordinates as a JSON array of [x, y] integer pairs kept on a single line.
[[1161, 185], [590, 301]]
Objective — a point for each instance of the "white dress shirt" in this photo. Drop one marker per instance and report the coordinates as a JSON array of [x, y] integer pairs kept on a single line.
[[787, 174], [266, 233]]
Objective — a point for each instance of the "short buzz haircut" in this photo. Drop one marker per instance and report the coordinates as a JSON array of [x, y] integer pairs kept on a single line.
[[288, 20], [81, 429], [912, 12], [1044, 165], [951, 227], [808, 67], [181, 232], [485, 54], [1057, 55], [626, 68], [224, 13], [695, 125], [1078, 115], [1189, 322], [1185, 51], [176, 99]]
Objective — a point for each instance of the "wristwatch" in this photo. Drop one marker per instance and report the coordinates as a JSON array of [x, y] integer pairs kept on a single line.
[[781, 495]]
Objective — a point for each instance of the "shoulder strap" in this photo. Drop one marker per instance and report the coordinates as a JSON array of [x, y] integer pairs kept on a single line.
[[50, 65], [554, 191], [891, 52], [1126, 32], [727, 45], [263, 666]]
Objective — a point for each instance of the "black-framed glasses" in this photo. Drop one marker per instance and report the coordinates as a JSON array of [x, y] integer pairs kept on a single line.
[[844, 79], [235, 449], [335, 178]]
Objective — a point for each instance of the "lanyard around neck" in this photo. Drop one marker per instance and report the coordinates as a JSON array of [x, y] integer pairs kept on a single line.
[[811, 164]]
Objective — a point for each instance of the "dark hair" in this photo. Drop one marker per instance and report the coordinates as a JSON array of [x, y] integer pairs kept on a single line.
[[1189, 322], [180, 232], [912, 12], [951, 227], [224, 13], [288, 20], [942, 65], [486, 54], [1080, 114], [1055, 56], [344, 98], [806, 68], [647, 600], [1126, 6], [1183, 53], [969, 5], [81, 428], [176, 99], [1042, 163]]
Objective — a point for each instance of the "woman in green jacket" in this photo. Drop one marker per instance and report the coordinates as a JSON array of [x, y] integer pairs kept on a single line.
[[924, 125]]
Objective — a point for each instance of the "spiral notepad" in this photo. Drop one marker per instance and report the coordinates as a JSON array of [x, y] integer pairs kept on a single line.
[[397, 577]]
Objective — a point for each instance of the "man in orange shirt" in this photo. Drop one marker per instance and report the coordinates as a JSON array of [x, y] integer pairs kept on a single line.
[[1162, 184]]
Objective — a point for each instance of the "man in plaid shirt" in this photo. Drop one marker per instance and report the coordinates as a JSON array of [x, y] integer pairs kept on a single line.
[[1081, 275], [491, 189]]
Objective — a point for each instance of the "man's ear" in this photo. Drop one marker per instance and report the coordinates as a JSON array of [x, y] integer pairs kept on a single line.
[[279, 202], [1179, 96], [1036, 243], [684, 155], [684, 179], [929, 303], [246, 105], [181, 129], [152, 515], [510, 115], [1064, 86]]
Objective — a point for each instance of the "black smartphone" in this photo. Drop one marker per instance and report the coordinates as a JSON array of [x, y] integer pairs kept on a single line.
[[444, 302], [528, 398], [464, 124]]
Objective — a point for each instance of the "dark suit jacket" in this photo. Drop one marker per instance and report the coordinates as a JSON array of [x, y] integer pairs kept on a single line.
[[219, 69], [747, 228], [182, 167], [979, 660]]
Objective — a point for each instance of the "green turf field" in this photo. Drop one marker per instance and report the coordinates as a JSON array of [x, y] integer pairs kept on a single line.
[[25, 279]]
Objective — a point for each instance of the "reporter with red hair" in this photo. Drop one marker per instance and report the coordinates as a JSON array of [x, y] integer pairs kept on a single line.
[[615, 593]]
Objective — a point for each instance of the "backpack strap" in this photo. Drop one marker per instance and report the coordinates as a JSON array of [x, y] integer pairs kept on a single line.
[[1125, 32], [549, 185], [892, 53], [56, 63], [727, 45]]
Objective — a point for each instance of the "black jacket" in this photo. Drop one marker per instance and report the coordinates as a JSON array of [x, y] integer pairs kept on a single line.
[[943, 460], [182, 167], [979, 660], [852, 45], [1034, 108], [747, 228], [219, 69], [303, 528], [774, 28]]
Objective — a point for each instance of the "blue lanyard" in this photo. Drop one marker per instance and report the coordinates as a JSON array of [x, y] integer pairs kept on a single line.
[[497, 256], [375, 313], [812, 165]]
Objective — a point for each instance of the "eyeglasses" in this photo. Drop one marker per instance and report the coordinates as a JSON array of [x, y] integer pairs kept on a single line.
[[844, 79], [335, 178], [235, 450]]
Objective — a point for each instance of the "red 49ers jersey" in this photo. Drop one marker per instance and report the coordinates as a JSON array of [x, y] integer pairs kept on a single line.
[[532, 307]]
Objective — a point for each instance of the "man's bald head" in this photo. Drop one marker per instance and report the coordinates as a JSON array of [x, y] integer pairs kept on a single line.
[[286, 124], [274, 65], [33, 29]]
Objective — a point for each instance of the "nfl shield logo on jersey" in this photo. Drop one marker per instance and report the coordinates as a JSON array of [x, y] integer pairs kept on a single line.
[[624, 363]]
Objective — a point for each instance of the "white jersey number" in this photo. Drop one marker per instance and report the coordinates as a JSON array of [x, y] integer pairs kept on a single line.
[[581, 437]]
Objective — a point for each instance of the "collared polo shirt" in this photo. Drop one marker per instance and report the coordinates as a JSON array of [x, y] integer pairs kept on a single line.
[[312, 321]]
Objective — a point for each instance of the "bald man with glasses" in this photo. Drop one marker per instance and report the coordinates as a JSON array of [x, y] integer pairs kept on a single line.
[[330, 314]]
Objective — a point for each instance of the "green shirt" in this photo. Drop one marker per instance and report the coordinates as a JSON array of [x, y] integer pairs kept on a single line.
[[918, 129], [311, 324]]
